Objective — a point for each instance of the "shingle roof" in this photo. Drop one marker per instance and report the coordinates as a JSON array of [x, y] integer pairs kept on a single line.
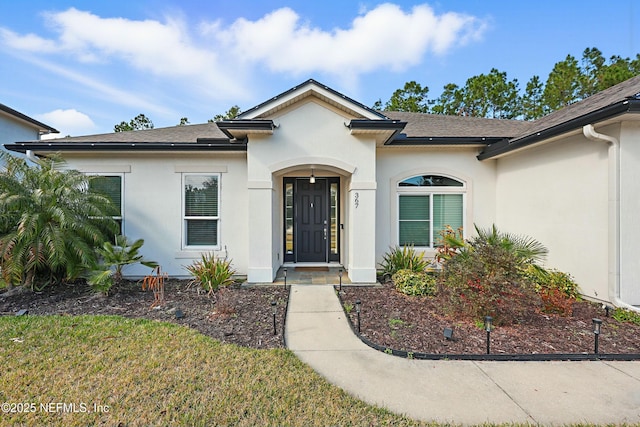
[[605, 98], [498, 135], [175, 134], [436, 125]]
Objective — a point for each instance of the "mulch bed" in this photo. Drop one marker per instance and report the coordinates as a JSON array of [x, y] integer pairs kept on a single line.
[[234, 315], [243, 316], [391, 319]]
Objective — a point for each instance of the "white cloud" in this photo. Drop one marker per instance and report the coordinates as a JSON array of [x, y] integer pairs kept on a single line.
[[68, 122], [385, 37], [218, 60]]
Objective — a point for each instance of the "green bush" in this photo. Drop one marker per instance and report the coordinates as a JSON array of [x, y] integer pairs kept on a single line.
[[211, 272], [552, 279], [405, 258], [624, 315], [415, 283]]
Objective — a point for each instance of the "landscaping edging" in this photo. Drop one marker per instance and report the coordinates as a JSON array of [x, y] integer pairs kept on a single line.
[[569, 357]]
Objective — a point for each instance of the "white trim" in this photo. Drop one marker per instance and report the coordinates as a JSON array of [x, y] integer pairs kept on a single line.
[[104, 169], [183, 233], [206, 168], [122, 203], [315, 161], [398, 191]]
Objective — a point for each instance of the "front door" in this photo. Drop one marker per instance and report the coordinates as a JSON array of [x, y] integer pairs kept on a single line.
[[311, 233], [311, 217]]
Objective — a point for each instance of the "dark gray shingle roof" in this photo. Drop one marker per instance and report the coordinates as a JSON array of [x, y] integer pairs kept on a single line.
[[436, 125]]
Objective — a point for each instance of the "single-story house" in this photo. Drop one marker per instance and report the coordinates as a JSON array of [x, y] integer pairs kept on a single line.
[[312, 177], [15, 126]]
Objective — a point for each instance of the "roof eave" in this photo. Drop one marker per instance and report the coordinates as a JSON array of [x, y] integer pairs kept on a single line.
[[239, 129], [42, 128], [475, 141], [503, 147], [51, 147]]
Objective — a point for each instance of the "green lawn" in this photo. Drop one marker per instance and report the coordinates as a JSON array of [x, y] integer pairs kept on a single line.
[[140, 372]]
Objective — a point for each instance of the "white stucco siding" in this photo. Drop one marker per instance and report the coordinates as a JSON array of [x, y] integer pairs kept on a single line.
[[629, 212], [152, 204], [557, 194], [310, 135], [397, 163], [12, 130]]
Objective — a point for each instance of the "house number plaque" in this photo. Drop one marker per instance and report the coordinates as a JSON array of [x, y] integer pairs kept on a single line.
[[356, 200]]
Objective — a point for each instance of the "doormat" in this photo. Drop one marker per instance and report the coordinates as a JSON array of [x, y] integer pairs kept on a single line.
[[312, 268]]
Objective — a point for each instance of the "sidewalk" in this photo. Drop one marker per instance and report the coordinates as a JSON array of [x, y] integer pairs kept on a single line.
[[461, 392]]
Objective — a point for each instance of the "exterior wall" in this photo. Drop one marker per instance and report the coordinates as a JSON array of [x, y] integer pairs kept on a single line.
[[397, 163], [311, 134], [12, 130], [558, 194], [152, 203], [629, 209]]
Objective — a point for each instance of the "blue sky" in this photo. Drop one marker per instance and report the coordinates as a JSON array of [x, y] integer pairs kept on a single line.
[[84, 66]]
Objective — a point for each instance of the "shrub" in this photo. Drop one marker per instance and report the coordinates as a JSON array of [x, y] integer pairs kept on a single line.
[[403, 259], [416, 283], [211, 272], [113, 258], [450, 243], [552, 279], [554, 301], [485, 278], [624, 315]]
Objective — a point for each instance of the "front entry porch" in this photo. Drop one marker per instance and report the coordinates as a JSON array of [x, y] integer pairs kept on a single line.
[[312, 275]]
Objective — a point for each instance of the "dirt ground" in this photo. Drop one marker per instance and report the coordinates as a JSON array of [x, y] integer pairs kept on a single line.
[[416, 324], [243, 315]]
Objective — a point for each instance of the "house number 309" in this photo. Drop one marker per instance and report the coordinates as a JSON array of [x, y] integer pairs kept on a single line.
[[356, 199]]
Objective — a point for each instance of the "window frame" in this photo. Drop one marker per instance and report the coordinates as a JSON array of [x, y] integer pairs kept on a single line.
[[121, 217], [185, 219], [430, 191]]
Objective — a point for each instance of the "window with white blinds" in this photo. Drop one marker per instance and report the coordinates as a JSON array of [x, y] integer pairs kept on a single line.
[[201, 209], [427, 204]]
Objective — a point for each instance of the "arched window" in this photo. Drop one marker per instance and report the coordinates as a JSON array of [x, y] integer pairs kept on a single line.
[[426, 205]]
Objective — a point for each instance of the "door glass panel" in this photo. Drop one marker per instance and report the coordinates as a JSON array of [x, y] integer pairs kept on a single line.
[[333, 215], [288, 217]]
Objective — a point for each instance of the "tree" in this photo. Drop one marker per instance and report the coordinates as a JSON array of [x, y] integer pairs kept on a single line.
[[450, 101], [50, 223], [412, 98], [231, 114], [533, 102], [139, 122], [183, 121], [563, 85], [485, 95]]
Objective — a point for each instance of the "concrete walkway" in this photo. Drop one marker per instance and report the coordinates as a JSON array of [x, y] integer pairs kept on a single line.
[[460, 392]]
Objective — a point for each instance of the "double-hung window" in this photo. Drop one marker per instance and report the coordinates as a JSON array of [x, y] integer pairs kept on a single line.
[[111, 187], [427, 204], [201, 209]]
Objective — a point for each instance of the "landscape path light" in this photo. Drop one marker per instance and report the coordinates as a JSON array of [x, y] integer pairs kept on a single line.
[[274, 309], [488, 320], [358, 309], [340, 275], [597, 326], [285, 278]]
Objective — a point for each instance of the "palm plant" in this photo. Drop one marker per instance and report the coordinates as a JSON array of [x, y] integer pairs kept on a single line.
[[50, 224], [113, 258], [525, 249]]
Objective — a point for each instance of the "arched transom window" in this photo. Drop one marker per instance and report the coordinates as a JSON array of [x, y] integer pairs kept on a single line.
[[426, 205]]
